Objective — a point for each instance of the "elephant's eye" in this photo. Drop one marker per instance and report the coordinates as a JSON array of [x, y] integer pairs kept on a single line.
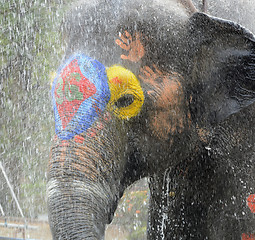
[[126, 93], [125, 101]]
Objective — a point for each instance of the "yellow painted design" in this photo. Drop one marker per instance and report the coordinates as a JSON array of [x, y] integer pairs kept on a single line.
[[123, 82]]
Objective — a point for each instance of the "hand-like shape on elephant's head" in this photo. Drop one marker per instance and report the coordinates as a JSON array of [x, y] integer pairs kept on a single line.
[[147, 91], [134, 47]]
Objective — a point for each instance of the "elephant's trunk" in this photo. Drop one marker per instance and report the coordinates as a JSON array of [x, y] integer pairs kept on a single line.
[[79, 213], [82, 186]]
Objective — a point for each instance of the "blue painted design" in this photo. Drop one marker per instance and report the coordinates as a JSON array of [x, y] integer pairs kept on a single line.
[[85, 112]]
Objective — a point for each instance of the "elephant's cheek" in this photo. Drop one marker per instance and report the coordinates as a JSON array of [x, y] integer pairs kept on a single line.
[[165, 124], [169, 116], [161, 126]]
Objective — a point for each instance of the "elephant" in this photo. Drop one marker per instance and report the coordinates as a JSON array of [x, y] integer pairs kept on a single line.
[[148, 90]]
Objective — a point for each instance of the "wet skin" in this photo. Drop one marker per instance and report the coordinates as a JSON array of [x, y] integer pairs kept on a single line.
[[182, 115]]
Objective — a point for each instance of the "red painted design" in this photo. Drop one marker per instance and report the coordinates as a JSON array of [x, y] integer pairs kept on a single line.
[[251, 202], [64, 143], [92, 133], [116, 80], [71, 90], [100, 126], [107, 117], [79, 139], [97, 109], [248, 236]]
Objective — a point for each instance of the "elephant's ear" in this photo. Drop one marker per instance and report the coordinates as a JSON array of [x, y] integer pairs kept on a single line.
[[222, 73]]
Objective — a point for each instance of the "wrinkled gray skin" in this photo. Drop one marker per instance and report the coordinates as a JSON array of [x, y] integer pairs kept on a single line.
[[207, 159]]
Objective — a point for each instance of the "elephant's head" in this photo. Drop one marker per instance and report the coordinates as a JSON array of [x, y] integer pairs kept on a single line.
[[140, 91]]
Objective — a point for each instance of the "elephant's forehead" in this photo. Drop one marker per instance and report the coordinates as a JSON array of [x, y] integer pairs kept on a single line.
[[84, 88], [80, 93]]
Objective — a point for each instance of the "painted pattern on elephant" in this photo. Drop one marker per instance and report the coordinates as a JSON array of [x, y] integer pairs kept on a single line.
[[83, 89], [80, 93], [132, 44]]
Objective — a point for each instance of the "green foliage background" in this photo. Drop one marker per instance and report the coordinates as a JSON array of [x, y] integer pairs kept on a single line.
[[132, 211]]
